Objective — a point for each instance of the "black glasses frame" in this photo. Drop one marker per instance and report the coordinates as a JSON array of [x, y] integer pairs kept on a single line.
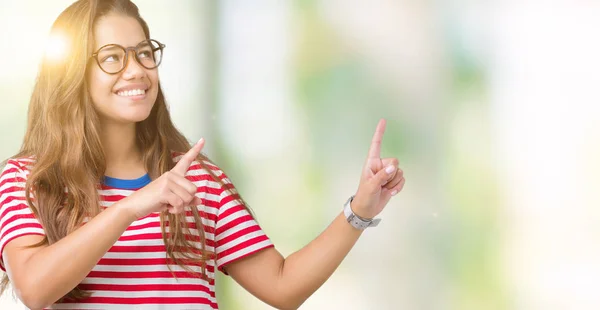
[[135, 54]]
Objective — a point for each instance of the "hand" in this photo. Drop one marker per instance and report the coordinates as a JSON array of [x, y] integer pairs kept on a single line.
[[171, 191], [380, 180]]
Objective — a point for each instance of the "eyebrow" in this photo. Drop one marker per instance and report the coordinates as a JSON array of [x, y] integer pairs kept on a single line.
[[143, 43], [109, 48]]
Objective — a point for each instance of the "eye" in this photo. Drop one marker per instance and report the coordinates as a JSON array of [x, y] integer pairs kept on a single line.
[[145, 54], [111, 58]]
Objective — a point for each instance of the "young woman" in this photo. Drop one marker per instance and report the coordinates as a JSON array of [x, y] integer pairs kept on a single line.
[[108, 206]]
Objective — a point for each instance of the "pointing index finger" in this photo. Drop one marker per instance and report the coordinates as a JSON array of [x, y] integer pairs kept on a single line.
[[375, 150], [186, 160]]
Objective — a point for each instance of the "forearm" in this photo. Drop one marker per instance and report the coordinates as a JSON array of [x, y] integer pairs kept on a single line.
[[57, 269], [306, 270]]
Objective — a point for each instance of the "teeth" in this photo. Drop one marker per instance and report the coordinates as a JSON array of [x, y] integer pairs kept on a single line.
[[133, 92]]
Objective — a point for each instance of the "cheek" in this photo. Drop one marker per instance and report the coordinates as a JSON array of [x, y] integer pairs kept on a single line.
[[100, 85], [153, 77]]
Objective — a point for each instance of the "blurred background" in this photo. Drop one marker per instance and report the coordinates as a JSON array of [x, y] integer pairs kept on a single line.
[[492, 109]]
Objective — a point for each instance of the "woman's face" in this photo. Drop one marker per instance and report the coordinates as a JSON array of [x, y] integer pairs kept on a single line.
[[128, 96]]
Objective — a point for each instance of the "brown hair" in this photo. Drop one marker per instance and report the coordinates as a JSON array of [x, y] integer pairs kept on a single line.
[[63, 136]]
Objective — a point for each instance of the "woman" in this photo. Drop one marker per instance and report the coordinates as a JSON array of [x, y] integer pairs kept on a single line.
[[108, 206]]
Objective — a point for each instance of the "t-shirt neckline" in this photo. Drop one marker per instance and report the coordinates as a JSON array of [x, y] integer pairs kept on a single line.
[[127, 183]]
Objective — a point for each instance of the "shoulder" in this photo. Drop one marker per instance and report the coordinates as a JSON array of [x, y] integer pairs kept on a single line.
[[203, 166], [21, 165]]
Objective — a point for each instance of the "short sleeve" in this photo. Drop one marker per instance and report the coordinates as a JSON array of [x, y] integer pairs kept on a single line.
[[237, 234], [16, 218]]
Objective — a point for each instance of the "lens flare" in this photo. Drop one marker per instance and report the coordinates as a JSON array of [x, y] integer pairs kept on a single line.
[[57, 47]]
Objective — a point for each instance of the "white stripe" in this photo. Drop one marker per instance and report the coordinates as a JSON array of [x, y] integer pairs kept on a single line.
[[133, 281], [115, 192], [25, 160], [231, 257], [157, 241], [212, 197], [20, 232], [7, 185], [139, 307], [231, 217], [13, 213], [18, 222], [154, 242], [230, 204], [137, 232], [148, 268], [157, 230], [239, 240], [14, 202], [236, 228], [18, 193], [150, 294], [134, 255]]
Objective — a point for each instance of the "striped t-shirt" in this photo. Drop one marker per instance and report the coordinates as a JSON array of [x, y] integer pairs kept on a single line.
[[134, 272]]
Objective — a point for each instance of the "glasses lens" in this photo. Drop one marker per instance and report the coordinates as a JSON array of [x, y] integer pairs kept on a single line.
[[111, 58], [149, 54]]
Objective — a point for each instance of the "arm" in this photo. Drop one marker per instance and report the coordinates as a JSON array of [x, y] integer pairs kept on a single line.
[[287, 283], [60, 267], [42, 275]]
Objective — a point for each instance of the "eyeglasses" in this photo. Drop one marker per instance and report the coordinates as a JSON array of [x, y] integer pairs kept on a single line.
[[112, 58]]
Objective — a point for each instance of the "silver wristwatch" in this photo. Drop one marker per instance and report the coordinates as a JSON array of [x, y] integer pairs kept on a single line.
[[355, 220]]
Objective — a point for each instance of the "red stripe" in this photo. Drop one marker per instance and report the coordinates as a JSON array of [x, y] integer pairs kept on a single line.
[[21, 227], [231, 210], [187, 213], [198, 166], [146, 287], [160, 249], [111, 198], [147, 300], [139, 274], [242, 246], [144, 249], [209, 190], [229, 198], [137, 248], [15, 179], [156, 224], [158, 236], [14, 208], [202, 214], [10, 199], [224, 264], [116, 197], [149, 262], [238, 234], [233, 223]]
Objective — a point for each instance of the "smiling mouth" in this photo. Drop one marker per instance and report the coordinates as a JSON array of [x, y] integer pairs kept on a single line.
[[132, 93]]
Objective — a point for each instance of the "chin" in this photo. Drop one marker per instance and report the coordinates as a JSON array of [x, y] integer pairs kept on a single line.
[[126, 111], [136, 117], [126, 117]]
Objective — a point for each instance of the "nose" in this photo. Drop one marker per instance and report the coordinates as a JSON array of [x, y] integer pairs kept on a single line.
[[133, 69]]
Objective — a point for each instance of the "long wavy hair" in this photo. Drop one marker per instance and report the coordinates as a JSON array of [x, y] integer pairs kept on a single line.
[[63, 136]]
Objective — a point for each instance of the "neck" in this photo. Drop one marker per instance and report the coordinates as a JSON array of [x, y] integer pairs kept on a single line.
[[123, 157]]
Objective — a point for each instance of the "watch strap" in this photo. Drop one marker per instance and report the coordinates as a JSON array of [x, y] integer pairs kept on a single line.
[[357, 221]]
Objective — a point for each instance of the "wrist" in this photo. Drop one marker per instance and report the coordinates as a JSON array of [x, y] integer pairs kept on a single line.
[[356, 220], [125, 210], [360, 211]]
